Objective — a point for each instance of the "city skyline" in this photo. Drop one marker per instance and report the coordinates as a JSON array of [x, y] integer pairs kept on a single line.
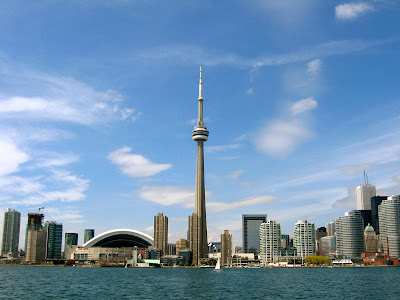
[[96, 109]]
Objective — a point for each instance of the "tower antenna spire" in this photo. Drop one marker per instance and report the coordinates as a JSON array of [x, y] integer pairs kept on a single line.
[[200, 85]]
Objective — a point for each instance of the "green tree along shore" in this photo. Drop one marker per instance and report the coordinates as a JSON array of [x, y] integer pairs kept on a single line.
[[318, 260]]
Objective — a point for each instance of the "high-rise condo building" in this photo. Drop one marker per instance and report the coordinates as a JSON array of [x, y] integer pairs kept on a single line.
[[251, 232], [389, 225], [161, 233], [350, 235], [88, 234], [198, 220], [304, 238], [270, 241], [331, 228], [11, 227], [285, 240], [364, 194], [54, 239], [226, 248], [36, 239]]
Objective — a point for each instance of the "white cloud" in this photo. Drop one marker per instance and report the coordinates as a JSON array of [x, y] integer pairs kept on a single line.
[[19, 185], [249, 91], [135, 165], [354, 169], [235, 174], [314, 66], [168, 195], [10, 157], [281, 138], [53, 159], [303, 106], [351, 11], [223, 206], [211, 149]]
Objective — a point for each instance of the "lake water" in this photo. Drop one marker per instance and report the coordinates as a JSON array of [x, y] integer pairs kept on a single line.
[[23, 282]]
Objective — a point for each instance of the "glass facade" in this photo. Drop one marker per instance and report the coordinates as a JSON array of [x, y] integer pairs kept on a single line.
[[251, 232], [88, 235], [54, 239]]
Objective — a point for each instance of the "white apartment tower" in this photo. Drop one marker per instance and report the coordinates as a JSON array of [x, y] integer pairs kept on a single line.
[[350, 235], [304, 238], [389, 225], [270, 241]]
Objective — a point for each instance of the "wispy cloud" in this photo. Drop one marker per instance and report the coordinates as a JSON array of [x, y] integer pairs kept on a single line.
[[351, 11], [303, 106], [211, 149], [135, 165], [42, 98], [235, 174], [354, 169], [314, 66], [223, 206], [189, 54]]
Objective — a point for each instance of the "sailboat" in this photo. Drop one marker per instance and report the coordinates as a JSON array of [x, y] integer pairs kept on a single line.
[[218, 265]]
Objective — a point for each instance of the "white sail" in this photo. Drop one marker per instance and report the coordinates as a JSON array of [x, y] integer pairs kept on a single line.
[[218, 265]]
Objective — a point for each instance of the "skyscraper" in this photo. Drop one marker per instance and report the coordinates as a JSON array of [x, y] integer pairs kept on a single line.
[[11, 227], [161, 233], [304, 238], [251, 232], [350, 235], [372, 241], [364, 194], [88, 234], [331, 228], [389, 225], [270, 241], [54, 239], [375, 202], [226, 248], [198, 240], [36, 239]]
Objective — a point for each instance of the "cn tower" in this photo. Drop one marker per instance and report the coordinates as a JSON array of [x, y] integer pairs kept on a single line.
[[198, 225]]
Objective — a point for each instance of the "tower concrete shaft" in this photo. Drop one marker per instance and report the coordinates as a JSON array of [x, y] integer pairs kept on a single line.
[[200, 135]]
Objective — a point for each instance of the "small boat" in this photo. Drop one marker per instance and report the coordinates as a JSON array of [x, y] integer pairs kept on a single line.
[[218, 266]]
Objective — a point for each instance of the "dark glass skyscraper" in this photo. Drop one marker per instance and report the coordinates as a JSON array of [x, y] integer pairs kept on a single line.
[[88, 235], [251, 232], [70, 239], [11, 226], [54, 239]]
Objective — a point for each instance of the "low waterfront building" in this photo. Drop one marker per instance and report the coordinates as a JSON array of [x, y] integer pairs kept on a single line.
[[372, 241], [171, 249], [71, 239], [181, 244], [327, 246]]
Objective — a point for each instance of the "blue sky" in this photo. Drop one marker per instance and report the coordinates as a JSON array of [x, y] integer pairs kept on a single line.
[[98, 100]]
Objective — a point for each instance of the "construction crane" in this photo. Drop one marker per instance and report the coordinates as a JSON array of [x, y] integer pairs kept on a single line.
[[38, 208]]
